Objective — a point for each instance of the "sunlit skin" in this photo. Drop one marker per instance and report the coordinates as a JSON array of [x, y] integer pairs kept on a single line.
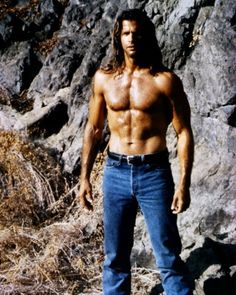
[[139, 107]]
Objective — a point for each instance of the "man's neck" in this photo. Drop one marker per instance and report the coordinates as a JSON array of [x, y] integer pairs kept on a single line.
[[131, 64], [135, 64]]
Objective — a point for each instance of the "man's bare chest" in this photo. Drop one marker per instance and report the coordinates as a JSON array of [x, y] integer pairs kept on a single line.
[[134, 93]]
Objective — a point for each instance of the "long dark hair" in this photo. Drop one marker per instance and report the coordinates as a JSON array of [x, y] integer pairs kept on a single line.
[[152, 56]]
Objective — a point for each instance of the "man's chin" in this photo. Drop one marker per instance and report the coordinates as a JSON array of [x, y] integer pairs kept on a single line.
[[133, 54]]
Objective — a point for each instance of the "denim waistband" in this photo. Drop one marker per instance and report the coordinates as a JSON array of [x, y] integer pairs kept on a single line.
[[161, 157]]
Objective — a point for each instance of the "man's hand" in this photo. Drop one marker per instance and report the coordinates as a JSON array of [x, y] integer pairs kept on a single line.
[[181, 201], [85, 195]]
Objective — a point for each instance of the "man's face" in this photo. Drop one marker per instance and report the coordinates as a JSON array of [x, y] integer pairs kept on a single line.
[[131, 38]]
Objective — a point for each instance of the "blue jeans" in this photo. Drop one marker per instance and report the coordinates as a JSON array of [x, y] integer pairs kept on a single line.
[[150, 187]]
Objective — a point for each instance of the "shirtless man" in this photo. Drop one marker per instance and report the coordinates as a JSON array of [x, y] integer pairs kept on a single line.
[[140, 98]]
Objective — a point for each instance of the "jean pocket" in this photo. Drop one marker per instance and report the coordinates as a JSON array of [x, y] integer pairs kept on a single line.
[[110, 163]]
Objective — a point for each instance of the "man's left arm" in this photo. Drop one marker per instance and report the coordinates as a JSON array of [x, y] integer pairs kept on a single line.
[[185, 144]]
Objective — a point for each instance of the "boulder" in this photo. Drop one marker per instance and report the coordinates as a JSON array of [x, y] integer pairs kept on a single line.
[[197, 39]]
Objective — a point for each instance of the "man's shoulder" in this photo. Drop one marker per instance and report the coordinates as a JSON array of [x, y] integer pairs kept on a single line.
[[166, 76], [102, 76], [99, 80], [168, 80]]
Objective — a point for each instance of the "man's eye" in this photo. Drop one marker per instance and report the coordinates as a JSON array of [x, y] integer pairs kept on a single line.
[[138, 36]]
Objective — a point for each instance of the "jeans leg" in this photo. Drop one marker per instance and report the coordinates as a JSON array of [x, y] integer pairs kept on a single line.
[[120, 210], [155, 202]]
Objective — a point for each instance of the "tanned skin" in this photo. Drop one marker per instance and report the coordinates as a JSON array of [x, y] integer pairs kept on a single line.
[[135, 104]]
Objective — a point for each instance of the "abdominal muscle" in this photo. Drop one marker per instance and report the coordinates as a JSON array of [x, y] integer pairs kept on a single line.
[[133, 132]]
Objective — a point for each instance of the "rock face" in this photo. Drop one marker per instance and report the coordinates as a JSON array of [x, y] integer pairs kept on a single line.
[[49, 52]]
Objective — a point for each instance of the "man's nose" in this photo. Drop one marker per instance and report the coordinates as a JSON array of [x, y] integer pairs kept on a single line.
[[131, 38]]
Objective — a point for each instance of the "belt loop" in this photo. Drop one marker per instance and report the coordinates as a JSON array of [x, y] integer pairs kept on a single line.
[[142, 158], [120, 159]]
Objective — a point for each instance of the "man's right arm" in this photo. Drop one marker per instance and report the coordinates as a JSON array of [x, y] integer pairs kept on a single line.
[[92, 138]]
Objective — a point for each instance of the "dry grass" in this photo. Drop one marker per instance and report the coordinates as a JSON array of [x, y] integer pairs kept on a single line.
[[5, 96], [46, 46], [48, 244], [30, 180], [8, 6], [25, 12], [21, 103]]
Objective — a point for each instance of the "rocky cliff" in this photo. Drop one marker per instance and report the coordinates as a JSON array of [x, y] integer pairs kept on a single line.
[[49, 52]]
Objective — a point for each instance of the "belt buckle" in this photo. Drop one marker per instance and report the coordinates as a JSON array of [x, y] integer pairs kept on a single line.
[[130, 159]]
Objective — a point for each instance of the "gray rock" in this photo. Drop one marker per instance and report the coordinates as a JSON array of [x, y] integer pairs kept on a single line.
[[197, 39], [39, 21], [8, 118], [18, 66], [10, 29]]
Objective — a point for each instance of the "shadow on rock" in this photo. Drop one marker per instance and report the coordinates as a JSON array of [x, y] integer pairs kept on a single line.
[[217, 258], [213, 262], [220, 286], [156, 290]]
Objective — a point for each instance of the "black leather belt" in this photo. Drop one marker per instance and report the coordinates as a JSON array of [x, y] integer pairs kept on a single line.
[[157, 158]]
